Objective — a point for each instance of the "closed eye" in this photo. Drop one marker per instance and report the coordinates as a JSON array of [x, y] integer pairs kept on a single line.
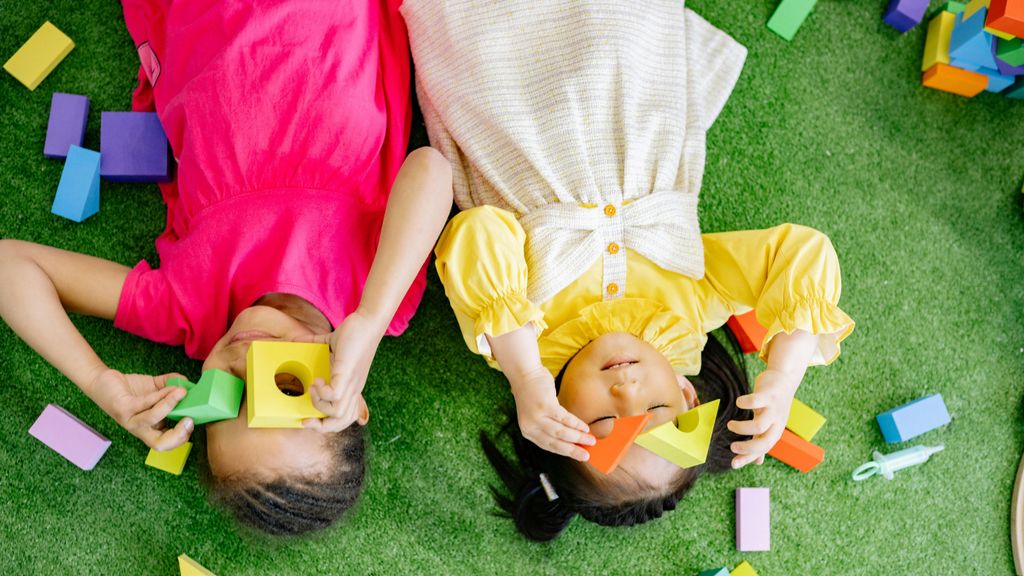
[[658, 406], [603, 418]]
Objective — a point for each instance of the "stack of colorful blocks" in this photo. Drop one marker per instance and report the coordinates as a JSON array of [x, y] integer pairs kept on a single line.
[[976, 47]]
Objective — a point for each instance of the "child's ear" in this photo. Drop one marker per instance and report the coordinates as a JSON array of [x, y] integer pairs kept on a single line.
[[364, 412], [689, 392]]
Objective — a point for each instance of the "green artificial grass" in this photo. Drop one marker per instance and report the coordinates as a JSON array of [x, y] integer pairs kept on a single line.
[[919, 191]]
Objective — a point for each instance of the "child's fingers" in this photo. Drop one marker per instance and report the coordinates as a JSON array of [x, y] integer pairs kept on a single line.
[[161, 380], [757, 446], [567, 449], [173, 437], [571, 420], [562, 432], [749, 427], [742, 460], [155, 406], [753, 401], [314, 338]]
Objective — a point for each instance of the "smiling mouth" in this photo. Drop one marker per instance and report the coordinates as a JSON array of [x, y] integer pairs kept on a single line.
[[618, 362]]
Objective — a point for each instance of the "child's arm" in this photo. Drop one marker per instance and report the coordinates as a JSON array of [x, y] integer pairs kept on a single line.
[[774, 389], [38, 285], [542, 419], [417, 209]]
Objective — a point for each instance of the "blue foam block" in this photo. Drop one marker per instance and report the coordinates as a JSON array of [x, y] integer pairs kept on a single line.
[[996, 82], [969, 41], [66, 127], [964, 65], [905, 14], [78, 194], [715, 572], [913, 418]]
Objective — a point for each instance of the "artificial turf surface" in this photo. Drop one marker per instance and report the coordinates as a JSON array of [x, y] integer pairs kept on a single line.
[[918, 190]]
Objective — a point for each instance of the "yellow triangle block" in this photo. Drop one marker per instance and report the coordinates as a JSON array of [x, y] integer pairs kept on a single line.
[[803, 420], [39, 55], [973, 6], [744, 569], [190, 567], [684, 442], [172, 461], [266, 404]]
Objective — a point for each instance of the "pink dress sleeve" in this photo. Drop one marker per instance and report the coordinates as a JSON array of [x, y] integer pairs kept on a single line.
[[149, 308]]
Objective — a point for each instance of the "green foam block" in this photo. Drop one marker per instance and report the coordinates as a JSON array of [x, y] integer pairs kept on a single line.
[[217, 396], [1011, 51], [788, 17]]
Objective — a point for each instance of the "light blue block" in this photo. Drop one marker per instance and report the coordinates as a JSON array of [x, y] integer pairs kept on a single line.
[[996, 82], [715, 572], [970, 43], [964, 65], [78, 194], [913, 418]]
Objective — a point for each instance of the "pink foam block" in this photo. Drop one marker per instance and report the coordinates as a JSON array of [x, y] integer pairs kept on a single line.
[[69, 437], [753, 520]]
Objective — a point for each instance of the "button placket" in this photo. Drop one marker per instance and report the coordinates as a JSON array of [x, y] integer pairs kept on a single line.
[[614, 258]]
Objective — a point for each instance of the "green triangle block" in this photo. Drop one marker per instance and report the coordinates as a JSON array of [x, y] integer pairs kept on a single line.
[[217, 396], [1011, 51]]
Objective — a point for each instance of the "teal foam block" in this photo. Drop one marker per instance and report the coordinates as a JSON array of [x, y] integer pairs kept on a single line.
[[789, 16], [970, 43], [78, 194], [913, 418], [217, 396], [1017, 90], [715, 572]]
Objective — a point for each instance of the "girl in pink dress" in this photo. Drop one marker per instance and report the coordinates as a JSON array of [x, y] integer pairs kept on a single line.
[[294, 215]]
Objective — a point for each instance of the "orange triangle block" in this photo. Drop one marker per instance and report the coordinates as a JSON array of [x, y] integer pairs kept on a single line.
[[608, 451]]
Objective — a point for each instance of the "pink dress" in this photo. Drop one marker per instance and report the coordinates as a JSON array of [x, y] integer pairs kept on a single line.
[[289, 122]]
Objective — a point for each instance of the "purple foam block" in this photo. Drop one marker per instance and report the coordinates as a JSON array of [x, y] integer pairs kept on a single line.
[[1004, 68], [69, 437], [68, 114], [905, 14], [753, 520], [133, 147]]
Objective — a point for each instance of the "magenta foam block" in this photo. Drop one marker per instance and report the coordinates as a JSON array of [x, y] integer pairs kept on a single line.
[[753, 520], [66, 128], [905, 14], [133, 147], [69, 437]]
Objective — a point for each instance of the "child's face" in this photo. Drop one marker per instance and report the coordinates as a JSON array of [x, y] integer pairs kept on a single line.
[[234, 449], [620, 375]]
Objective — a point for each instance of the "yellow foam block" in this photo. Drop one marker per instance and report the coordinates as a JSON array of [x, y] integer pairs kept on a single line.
[[267, 405], [803, 420], [684, 442], [172, 461], [744, 569], [39, 56], [973, 6], [190, 567], [936, 47], [999, 33]]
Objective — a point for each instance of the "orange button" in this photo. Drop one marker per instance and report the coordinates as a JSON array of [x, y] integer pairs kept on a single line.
[[613, 248], [609, 210], [613, 288]]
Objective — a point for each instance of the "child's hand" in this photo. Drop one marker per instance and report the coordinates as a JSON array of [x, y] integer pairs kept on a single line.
[[544, 421], [771, 400], [139, 403], [353, 346]]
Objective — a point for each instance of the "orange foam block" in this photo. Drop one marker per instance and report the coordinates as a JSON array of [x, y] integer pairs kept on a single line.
[[748, 331], [608, 451], [797, 452], [950, 79], [1006, 16]]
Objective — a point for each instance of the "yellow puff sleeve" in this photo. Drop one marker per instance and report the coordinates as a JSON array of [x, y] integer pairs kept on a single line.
[[789, 274], [482, 263]]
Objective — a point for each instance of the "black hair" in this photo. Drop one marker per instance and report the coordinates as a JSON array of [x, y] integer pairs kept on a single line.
[[522, 497], [294, 505]]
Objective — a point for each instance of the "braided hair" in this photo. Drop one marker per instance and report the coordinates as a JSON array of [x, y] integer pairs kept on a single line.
[[291, 506], [521, 495]]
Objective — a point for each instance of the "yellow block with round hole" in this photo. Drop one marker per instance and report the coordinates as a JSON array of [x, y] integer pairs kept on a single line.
[[685, 441], [266, 405]]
